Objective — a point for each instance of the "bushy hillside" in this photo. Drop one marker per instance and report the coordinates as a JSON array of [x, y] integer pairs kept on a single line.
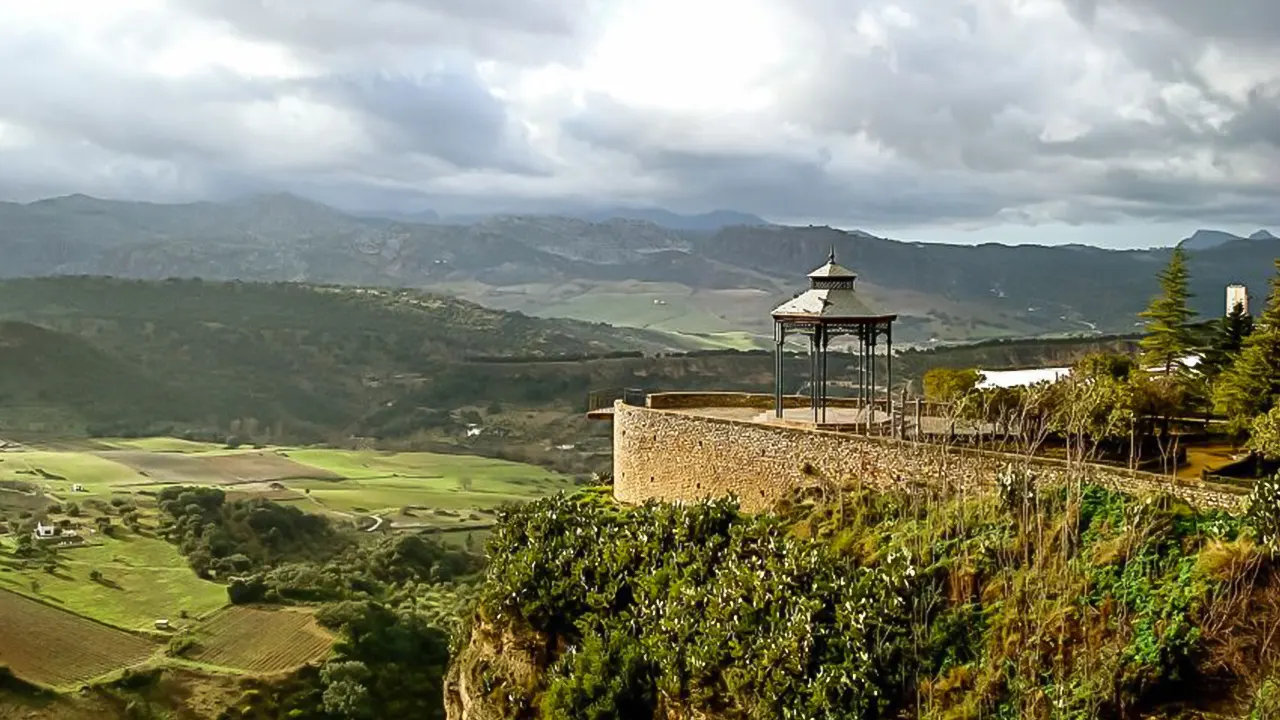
[[1027, 604], [136, 355], [52, 380]]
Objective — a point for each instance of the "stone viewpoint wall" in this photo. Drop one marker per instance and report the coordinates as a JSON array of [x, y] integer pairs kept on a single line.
[[661, 454]]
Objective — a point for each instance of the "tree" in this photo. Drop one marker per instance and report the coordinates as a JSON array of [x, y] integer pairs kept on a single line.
[[345, 694], [1228, 340], [949, 384], [1265, 435], [1169, 337], [1249, 387]]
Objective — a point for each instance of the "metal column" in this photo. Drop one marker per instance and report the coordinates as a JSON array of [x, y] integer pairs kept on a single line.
[[779, 365], [871, 416], [813, 372], [823, 360], [888, 334]]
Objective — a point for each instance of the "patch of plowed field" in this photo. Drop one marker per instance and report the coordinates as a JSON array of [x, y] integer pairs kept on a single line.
[[261, 641], [229, 469], [52, 647]]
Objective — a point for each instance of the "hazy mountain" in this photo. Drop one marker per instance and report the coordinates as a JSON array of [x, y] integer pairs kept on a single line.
[[705, 222], [1206, 239], [422, 216], [701, 223], [1262, 235], [629, 272]]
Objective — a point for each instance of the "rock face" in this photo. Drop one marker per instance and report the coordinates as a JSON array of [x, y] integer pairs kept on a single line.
[[496, 674]]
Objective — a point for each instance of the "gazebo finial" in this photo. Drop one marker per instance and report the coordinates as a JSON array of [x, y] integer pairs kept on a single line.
[[831, 256]]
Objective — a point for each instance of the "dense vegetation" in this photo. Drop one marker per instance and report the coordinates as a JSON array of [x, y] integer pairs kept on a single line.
[[393, 600], [221, 537], [1033, 603]]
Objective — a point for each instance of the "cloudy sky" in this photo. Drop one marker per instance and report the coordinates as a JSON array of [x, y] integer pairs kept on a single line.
[[1116, 122]]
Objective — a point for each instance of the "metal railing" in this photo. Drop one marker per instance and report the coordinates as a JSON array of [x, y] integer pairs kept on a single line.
[[605, 399]]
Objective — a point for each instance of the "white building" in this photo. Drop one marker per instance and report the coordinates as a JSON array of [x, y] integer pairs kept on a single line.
[[1020, 378], [1237, 295], [988, 379], [45, 531]]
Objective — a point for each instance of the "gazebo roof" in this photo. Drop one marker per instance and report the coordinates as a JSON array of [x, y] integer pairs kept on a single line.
[[833, 271], [830, 298], [826, 304]]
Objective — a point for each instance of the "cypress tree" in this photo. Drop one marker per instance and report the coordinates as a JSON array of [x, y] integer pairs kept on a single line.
[[1250, 386], [1228, 340], [1169, 337]]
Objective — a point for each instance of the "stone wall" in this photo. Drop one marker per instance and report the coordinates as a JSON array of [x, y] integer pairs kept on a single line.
[[666, 455]]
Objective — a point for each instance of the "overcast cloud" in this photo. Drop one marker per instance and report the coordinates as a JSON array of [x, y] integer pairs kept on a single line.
[[907, 116]]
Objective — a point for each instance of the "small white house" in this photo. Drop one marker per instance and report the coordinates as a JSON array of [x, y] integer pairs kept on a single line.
[[43, 532]]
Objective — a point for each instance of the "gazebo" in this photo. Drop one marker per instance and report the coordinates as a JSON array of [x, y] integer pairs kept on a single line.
[[831, 308]]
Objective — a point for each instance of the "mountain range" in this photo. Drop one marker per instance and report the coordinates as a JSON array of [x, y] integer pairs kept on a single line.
[[1206, 239], [702, 222], [711, 287]]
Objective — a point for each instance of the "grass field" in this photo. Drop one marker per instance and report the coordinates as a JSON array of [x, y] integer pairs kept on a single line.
[[344, 481], [162, 444], [260, 641], [57, 467], [59, 649], [736, 340], [377, 482], [143, 579]]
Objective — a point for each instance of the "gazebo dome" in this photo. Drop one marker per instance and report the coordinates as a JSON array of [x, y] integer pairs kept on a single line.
[[830, 297], [832, 271]]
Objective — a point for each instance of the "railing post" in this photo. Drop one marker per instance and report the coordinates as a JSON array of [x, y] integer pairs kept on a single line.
[[919, 415]]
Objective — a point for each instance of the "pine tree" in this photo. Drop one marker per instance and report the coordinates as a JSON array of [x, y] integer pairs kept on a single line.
[[1169, 337], [1228, 340], [1250, 386]]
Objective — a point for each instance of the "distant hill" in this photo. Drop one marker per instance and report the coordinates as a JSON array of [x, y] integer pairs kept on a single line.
[[708, 287], [110, 353], [705, 222], [54, 381], [1207, 239]]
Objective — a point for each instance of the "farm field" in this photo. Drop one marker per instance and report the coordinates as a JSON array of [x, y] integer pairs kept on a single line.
[[131, 578], [142, 579], [51, 647], [260, 641], [380, 482], [342, 482]]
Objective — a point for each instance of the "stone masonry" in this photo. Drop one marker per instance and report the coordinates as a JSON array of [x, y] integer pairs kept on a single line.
[[673, 455]]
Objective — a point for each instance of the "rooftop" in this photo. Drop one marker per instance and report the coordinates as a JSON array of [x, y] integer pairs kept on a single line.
[[831, 296]]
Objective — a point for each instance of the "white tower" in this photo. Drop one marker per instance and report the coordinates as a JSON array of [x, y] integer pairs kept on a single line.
[[1237, 295]]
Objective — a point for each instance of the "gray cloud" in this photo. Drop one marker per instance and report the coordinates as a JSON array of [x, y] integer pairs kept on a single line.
[[880, 114], [449, 115], [525, 30]]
